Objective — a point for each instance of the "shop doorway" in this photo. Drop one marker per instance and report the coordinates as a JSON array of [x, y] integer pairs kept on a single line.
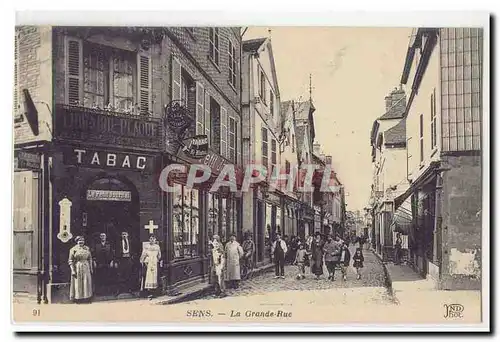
[[111, 206]]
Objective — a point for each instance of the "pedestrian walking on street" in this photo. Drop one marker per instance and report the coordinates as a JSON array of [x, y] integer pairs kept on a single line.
[[234, 253], [358, 259], [345, 259], [278, 251], [300, 260], [248, 253], [397, 249], [332, 250], [317, 256]]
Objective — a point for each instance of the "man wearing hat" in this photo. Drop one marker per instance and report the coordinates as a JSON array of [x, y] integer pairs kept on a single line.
[[278, 251], [248, 252]]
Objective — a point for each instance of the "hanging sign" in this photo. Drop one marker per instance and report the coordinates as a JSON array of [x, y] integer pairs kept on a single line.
[[196, 147], [177, 116], [65, 220]]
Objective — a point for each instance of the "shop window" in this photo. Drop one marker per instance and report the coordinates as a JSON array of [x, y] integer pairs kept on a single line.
[[213, 215], [186, 222], [25, 220]]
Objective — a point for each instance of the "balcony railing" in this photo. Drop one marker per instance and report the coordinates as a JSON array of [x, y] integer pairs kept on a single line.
[[107, 127]]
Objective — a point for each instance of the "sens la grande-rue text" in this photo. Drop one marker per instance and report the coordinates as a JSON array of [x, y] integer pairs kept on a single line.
[[238, 314]]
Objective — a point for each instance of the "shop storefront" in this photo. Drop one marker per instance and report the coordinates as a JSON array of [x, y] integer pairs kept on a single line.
[[104, 179], [195, 214]]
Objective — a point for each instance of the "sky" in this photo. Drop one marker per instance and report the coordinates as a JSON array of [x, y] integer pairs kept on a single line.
[[352, 69]]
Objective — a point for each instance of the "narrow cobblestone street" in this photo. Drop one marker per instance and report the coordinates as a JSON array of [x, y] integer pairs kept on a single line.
[[371, 284]]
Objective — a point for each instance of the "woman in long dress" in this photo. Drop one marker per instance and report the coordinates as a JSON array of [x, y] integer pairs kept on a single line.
[[80, 263], [234, 253], [317, 256], [150, 258]]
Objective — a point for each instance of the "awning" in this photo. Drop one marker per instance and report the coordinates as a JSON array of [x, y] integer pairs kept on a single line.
[[421, 180], [402, 219]]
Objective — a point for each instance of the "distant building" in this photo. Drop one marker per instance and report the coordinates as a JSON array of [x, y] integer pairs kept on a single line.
[[262, 138], [388, 144]]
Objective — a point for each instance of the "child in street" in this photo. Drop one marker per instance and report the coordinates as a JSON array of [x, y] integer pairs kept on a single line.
[[345, 259], [300, 260], [358, 262]]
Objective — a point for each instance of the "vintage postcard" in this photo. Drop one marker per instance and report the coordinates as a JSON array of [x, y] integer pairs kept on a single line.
[[286, 175]]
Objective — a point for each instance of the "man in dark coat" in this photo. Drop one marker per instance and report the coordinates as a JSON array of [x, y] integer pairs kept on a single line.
[[103, 255], [317, 255], [332, 250]]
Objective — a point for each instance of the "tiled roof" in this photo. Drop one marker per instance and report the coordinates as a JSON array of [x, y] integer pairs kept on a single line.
[[253, 45], [396, 134], [397, 110]]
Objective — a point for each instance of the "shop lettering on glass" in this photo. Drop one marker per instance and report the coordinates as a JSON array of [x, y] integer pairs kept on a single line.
[[102, 159]]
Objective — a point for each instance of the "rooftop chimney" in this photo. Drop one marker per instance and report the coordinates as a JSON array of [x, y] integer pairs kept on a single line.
[[317, 149]]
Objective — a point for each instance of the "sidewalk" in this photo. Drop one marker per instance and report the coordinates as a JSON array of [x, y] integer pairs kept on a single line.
[[413, 292]]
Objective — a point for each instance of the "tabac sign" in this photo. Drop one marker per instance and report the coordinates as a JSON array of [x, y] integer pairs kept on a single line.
[[91, 158]]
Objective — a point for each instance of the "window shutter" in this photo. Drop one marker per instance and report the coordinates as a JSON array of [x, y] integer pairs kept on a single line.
[[176, 79], [238, 142], [74, 71], [223, 132], [207, 115], [200, 111], [144, 77]]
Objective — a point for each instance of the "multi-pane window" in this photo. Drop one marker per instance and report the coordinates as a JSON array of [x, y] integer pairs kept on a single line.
[[101, 77], [101, 66], [186, 222], [461, 77], [232, 65], [214, 44], [265, 147], [433, 120], [421, 138]]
